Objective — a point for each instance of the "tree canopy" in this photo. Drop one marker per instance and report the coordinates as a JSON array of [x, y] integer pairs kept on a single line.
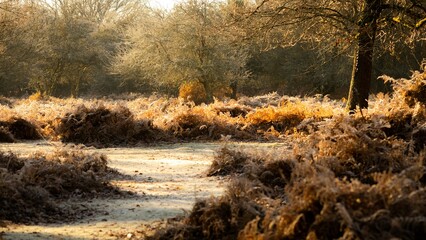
[[74, 47], [191, 43], [358, 25]]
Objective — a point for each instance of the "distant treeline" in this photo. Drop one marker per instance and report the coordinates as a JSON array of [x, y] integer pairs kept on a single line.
[[94, 48]]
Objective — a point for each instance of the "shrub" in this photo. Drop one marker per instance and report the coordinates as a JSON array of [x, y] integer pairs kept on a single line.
[[193, 91], [18, 128], [38, 96], [97, 126]]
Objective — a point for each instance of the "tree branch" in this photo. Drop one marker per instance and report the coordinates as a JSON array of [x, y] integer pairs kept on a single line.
[[420, 23]]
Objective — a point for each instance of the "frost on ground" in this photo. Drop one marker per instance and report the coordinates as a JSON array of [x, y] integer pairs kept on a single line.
[[166, 181]]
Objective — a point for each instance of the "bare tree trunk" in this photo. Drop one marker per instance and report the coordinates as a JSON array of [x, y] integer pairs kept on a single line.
[[361, 74], [363, 58], [234, 89]]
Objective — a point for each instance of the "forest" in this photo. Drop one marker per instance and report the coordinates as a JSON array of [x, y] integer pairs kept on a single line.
[[237, 119]]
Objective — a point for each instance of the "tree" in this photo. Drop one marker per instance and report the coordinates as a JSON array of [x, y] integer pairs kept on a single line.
[[188, 44], [360, 25], [66, 55], [16, 45], [74, 40]]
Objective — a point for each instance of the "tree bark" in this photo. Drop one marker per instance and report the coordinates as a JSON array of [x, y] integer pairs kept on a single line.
[[363, 57]]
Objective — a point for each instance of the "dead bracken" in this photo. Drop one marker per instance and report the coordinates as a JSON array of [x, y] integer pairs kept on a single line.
[[360, 176], [31, 187], [349, 177], [18, 128], [118, 122]]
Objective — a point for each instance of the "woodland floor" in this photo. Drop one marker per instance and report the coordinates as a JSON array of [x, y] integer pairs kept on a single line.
[[166, 180]]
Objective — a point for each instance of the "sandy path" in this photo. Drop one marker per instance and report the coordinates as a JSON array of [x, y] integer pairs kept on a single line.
[[167, 179]]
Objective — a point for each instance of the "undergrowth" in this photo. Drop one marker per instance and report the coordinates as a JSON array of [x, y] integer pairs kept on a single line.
[[100, 126], [18, 128], [31, 187], [360, 176], [126, 121]]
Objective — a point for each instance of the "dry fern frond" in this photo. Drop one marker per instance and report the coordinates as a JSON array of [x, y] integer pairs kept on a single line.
[[97, 125], [31, 187]]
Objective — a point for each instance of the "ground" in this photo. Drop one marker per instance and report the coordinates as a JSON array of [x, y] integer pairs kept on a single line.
[[166, 180]]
